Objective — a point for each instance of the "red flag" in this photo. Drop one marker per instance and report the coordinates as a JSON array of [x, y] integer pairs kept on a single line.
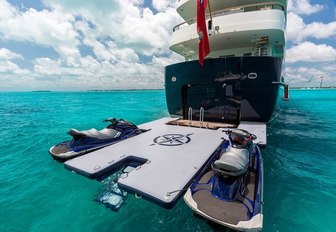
[[203, 46]]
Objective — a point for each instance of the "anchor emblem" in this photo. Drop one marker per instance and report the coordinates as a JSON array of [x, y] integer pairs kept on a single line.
[[172, 139]]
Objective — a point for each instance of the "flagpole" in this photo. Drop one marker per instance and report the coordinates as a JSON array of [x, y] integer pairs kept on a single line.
[[210, 21], [209, 10]]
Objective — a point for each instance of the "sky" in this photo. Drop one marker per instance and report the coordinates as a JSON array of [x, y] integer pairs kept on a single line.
[[65, 45]]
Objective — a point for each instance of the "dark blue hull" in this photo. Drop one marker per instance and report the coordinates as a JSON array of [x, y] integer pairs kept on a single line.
[[229, 89]]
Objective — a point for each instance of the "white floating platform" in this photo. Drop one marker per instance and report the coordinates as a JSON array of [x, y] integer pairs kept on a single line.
[[257, 128], [171, 157]]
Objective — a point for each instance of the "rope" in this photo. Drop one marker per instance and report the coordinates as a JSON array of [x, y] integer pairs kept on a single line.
[[304, 83], [170, 193]]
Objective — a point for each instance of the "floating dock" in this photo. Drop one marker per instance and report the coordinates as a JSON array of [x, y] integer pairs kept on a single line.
[[169, 157]]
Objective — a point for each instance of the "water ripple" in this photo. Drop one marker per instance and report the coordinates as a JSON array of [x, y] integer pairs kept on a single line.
[[38, 194]]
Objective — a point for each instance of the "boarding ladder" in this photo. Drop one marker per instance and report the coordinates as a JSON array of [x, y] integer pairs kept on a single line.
[[261, 46], [201, 117]]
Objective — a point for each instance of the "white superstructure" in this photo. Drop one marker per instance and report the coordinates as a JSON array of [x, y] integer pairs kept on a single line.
[[239, 28]]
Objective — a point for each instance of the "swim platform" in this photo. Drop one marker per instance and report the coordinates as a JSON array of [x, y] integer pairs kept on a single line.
[[170, 157]]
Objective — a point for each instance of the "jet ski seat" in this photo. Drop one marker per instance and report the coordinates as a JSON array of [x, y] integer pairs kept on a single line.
[[233, 162], [93, 133]]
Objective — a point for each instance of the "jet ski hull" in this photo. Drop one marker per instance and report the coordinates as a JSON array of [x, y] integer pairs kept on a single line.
[[62, 152], [209, 196], [84, 142]]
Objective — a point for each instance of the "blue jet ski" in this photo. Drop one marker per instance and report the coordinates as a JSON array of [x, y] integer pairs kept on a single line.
[[90, 140], [229, 190]]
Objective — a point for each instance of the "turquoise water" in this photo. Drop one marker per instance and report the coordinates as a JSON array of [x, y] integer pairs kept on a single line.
[[38, 194]]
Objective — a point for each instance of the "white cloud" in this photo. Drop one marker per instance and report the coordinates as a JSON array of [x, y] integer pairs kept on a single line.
[[307, 61], [126, 22], [295, 27], [310, 52], [6, 54], [148, 34], [117, 33], [298, 31], [7, 10], [304, 7], [303, 76], [320, 30], [7, 66], [123, 21], [91, 74], [163, 5], [330, 67], [123, 54], [48, 28]]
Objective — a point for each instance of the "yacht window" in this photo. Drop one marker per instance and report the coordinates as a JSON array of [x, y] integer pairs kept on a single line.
[[227, 56]]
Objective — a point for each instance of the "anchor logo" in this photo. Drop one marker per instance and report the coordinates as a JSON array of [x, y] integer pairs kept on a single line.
[[172, 139]]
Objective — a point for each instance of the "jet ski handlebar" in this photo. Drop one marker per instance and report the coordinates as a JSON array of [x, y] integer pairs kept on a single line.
[[240, 132], [111, 120]]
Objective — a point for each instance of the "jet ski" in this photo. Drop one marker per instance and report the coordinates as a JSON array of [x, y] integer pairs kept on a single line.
[[90, 140], [229, 189]]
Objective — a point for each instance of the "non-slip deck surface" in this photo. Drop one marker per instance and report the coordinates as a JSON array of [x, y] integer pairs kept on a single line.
[[230, 212], [172, 156]]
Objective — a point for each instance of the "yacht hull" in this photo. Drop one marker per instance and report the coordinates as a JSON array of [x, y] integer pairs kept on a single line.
[[229, 89]]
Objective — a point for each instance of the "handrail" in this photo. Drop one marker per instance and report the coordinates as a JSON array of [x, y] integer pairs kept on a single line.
[[190, 115], [233, 10], [201, 118]]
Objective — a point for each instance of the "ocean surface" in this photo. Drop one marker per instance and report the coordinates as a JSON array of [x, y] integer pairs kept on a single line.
[[39, 194]]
